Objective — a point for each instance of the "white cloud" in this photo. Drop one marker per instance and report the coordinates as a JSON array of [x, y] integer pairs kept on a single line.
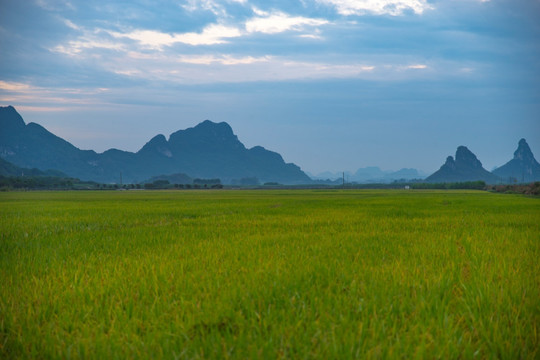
[[311, 36], [211, 35], [277, 22], [223, 59], [417, 66], [378, 7], [71, 25], [73, 48]]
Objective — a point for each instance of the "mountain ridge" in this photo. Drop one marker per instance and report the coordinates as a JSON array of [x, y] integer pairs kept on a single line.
[[522, 168], [207, 150]]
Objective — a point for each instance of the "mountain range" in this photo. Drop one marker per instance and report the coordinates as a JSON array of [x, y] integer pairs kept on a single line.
[[211, 150], [208, 150], [466, 167]]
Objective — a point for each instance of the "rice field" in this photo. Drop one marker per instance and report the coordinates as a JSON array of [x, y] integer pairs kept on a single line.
[[269, 274]]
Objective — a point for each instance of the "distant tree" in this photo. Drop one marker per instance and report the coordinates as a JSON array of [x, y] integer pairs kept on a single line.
[[161, 183], [206, 181]]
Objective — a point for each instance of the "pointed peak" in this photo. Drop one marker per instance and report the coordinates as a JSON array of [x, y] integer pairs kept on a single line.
[[157, 143], [450, 160], [159, 138], [466, 157], [523, 151], [10, 118], [463, 150]]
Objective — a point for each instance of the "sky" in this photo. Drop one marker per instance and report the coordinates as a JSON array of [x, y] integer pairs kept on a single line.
[[332, 85]]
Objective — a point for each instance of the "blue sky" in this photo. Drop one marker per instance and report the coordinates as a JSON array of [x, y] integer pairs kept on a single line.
[[330, 84]]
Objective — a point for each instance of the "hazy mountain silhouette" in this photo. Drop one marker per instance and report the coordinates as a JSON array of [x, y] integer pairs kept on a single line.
[[466, 167], [9, 169], [371, 174], [208, 150], [522, 168]]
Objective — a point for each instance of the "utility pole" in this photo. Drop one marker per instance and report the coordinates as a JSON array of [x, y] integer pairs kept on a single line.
[[344, 179], [120, 178]]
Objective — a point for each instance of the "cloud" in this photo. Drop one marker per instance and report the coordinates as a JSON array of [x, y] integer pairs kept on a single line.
[[377, 7], [417, 66], [70, 24], [32, 97], [277, 22], [213, 6], [211, 35], [14, 86], [219, 68], [40, 109], [55, 5], [73, 48], [223, 59]]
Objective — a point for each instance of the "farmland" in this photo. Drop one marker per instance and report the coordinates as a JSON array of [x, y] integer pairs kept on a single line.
[[269, 274]]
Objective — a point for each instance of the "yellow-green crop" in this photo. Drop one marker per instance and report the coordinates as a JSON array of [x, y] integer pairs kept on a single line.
[[269, 274]]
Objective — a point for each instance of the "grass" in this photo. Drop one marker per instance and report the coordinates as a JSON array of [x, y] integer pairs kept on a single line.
[[269, 274]]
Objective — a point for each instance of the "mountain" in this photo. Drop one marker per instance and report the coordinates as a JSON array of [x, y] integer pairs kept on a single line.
[[466, 167], [522, 168], [208, 150]]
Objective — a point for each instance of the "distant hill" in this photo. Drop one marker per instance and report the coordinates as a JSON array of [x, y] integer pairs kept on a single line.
[[208, 150], [371, 174], [9, 169], [522, 168], [465, 167]]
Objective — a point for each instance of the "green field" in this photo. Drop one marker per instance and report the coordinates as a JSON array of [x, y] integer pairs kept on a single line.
[[269, 274]]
